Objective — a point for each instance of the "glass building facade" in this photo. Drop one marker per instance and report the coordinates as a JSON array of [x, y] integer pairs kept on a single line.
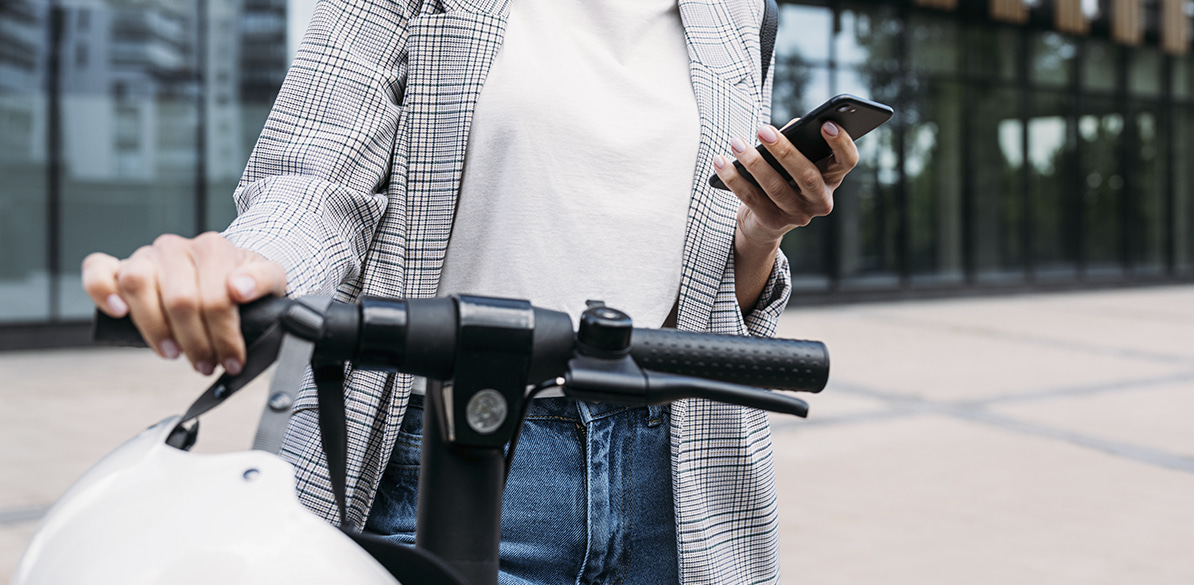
[[1019, 157], [121, 120]]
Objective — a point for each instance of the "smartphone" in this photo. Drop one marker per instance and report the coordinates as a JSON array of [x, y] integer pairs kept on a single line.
[[857, 115]]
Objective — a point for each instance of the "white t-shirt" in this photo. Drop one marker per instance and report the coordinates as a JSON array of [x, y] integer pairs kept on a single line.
[[580, 161]]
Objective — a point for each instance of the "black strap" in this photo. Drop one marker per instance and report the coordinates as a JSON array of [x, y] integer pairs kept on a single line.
[[260, 355], [333, 429], [767, 36], [293, 357], [410, 565]]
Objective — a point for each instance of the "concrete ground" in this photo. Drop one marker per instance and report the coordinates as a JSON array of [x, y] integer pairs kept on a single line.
[[1025, 439]]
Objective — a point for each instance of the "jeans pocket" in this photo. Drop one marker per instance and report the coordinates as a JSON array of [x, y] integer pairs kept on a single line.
[[395, 504], [409, 444]]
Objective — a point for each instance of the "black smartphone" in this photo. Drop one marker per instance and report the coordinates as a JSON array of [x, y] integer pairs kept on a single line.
[[857, 115]]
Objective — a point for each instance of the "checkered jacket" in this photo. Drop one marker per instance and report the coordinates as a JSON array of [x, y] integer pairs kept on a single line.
[[352, 188]]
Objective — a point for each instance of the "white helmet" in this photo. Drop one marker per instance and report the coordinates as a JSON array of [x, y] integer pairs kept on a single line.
[[150, 513]]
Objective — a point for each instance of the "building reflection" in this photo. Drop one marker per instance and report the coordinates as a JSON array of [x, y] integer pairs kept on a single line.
[[122, 120], [1020, 157]]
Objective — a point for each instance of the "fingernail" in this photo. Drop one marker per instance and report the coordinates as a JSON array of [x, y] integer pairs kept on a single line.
[[719, 161], [205, 368], [738, 145], [232, 366], [117, 305], [830, 128], [169, 349], [767, 134], [245, 285]]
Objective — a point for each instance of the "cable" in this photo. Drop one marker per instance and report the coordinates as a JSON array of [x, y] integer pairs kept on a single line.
[[522, 417]]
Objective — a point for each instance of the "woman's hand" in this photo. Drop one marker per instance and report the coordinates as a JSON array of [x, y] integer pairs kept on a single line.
[[769, 212], [182, 295]]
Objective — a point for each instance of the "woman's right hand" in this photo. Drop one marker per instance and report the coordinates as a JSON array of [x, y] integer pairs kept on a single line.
[[182, 295]]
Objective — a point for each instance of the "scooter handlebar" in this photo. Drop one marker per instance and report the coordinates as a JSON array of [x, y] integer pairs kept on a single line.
[[784, 364]]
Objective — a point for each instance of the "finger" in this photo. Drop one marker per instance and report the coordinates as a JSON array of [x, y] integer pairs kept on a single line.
[[845, 153], [812, 199], [138, 286], [256, 277], [773, 184], [179, 284], [215, 258], [748, 193], [99, 281]]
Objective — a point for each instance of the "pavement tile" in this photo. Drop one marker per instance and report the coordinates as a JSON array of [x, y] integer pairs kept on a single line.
[[932, 500], [1160, 418], [66, 409], [954, 363], [829, 405], [1152, 325]]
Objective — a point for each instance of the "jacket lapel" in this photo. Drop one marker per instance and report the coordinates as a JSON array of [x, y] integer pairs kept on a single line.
[[723, 73], [450, 54], [715, 33]]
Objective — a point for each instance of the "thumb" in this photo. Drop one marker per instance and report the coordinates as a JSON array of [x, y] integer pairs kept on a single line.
[[256, 277]]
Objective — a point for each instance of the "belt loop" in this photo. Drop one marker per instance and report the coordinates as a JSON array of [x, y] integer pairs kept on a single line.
[[586, 414], [655, 415]]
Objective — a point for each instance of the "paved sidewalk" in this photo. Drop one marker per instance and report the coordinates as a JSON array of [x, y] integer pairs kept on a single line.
[[1027, 439]]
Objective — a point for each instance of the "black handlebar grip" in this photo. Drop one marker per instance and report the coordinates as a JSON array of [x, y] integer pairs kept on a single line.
[[783, 364], [112, 331], [255, 318]]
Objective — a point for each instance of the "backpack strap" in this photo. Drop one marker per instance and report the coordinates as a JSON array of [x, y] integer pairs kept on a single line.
[[767, 36]]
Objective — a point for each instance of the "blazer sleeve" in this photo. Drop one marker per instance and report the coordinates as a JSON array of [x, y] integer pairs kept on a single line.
[[763, 320], [312, 193]]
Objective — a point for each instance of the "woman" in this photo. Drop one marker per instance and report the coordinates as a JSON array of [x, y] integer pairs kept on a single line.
[[549, 150]]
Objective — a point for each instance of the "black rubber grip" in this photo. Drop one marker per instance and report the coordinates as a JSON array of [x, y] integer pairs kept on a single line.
[[782, 364], [110, 331], [255, 317]]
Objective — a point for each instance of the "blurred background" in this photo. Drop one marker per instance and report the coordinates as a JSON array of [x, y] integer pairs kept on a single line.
[[121, 120], [1038, 144]]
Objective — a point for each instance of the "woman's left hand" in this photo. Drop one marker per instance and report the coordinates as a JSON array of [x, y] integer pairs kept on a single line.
[[768, 213]]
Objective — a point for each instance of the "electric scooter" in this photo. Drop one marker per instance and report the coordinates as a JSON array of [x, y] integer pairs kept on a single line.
[[152, 512]]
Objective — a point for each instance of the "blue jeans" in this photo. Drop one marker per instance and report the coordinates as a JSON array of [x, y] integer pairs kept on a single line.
[[588, 501]]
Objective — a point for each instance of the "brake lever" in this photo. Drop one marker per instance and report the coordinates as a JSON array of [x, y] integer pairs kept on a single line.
[[663, 387], [622, 381]]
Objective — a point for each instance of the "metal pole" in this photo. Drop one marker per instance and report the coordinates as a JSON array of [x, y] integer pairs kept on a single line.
[[54, 159], [1168, 126], [201, 118]]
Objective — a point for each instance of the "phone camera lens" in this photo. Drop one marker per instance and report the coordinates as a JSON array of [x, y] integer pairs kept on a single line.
[[844, 109]]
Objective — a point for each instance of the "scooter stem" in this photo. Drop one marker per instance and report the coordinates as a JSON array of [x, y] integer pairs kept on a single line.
[[460, 498]]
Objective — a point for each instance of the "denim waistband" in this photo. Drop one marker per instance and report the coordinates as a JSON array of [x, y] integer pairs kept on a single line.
[[560, 408]]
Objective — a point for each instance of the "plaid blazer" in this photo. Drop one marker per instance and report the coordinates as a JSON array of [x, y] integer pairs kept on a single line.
[[352, 188]]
